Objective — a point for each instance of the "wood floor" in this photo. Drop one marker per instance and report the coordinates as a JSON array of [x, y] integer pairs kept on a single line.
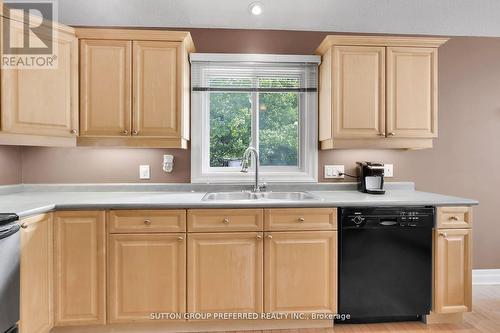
[[485, 318]]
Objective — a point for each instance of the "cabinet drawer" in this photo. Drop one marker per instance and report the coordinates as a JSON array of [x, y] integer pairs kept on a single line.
[[209, 220], [146, 221], [301, 219], [454, 217]]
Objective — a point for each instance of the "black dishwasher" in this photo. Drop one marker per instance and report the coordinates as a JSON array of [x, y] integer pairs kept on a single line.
[[385, 263]]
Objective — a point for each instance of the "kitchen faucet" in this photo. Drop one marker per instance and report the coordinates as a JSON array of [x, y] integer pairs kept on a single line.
[[244, 167]]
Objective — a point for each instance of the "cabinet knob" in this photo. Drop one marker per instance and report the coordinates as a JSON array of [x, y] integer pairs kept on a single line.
[[269, 236], [180, 238], [226, 220], [24, 226], [135, 132], [381, 134], [454, 218], [301, 219], [258, 237], [392, 134], [444, 234], [74, 131], [125, 132], [147, 222]]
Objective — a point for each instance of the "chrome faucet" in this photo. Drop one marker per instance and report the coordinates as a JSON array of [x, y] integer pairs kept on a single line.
[[244, 166]]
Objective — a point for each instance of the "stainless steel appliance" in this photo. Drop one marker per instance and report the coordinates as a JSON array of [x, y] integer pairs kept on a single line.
[[9, 272], [385, 263], [371, 177]]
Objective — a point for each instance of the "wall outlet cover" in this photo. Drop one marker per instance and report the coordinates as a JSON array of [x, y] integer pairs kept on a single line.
[[388, 170], [334, 171], [144, 172]]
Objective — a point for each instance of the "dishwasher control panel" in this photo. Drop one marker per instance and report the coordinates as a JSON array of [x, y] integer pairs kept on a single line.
[[409, 217]]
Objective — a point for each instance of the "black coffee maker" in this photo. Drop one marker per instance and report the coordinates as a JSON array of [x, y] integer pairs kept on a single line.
[[371, 177]]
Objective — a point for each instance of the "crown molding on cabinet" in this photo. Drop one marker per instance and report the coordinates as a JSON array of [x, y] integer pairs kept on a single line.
[[389, 41]]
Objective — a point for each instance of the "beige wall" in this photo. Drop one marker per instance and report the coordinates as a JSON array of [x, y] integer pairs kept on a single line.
[[463, 162], [10, 165]]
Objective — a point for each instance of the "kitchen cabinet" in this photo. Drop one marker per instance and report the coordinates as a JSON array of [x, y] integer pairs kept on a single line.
[[40, 106], [411, 92], [225, 272], [146, 221], [357, 93], [36, 274], [453, 290], [300, 271], [135, 87], [223, 220], [80, 268], [289, 219], [378, 92], [105, 73], [147, 274]]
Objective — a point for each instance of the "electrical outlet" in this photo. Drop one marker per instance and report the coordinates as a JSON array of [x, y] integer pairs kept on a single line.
[[388, 170], [144, 172], [334, 171]]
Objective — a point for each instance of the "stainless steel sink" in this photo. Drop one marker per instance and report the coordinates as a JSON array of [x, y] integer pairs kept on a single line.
[[244, 196]]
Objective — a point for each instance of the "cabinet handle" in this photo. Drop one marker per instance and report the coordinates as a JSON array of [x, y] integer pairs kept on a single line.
[[301, 219], [147, 222], [135, 132], [392, 134], [226, 220], [444, 234], [125, 132], [180, 238], [381, 134], [269, 236], [24, 226], [74, 131], [258, 237], [454, 218]]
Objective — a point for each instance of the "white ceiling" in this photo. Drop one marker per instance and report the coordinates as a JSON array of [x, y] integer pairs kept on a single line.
[[443, 17]]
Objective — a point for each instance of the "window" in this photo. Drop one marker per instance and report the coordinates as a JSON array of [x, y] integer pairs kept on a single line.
[[265, 101]]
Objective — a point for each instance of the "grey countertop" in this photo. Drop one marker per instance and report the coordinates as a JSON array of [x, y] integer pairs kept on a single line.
[[27, 200]]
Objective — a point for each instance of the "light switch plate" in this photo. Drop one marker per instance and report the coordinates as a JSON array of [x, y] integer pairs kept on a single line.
[[388, 170], [144, 172], [334, 171]]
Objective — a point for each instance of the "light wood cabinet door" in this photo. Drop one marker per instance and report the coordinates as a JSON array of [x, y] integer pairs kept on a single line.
[[300, 272], [157, 97], [452, 271], [37, 274], [358, 92], [80, 268], [105, 88], [411, 92], [225, 272], [147, 274], [43, 101]]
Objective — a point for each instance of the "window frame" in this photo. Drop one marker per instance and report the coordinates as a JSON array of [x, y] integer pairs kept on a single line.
[[307, 169]]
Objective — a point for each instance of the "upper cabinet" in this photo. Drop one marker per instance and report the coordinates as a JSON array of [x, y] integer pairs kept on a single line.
[[39, 106], [105, 73], [378, 92], [134, 87]]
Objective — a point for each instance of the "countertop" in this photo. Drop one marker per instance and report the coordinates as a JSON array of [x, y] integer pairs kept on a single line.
[[35, 199]]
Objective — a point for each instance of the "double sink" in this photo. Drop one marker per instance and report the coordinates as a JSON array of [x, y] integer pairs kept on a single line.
[[248, 196]]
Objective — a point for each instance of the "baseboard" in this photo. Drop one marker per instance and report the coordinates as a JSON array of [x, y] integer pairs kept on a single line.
[[485, 277]]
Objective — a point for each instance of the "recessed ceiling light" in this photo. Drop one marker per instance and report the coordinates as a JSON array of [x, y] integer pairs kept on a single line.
[[255, 8]]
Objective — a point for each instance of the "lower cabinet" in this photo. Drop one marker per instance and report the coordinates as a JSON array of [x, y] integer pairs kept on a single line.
[[452, 275], [146, 274], [80, 268], [225, 272], [36, 274], [300, 271]]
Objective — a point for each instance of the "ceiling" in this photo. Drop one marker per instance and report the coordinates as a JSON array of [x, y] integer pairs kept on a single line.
[[439, 17]]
